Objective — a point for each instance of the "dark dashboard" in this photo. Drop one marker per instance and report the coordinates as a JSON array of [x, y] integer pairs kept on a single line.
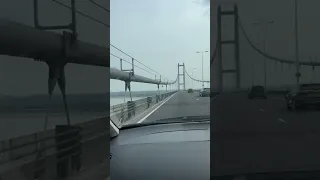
[[164, 151]]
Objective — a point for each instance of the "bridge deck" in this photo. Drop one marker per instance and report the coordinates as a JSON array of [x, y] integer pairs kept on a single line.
[[180, 104]]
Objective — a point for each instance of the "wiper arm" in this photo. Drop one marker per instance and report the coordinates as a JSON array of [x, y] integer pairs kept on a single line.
[[185, 119], [171, 120]]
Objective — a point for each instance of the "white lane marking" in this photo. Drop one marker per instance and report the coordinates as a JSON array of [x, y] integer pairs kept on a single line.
[[155, 109], [262, 110], [281, 120], [197, 99]]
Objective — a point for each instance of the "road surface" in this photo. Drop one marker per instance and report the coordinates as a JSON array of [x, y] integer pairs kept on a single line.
[[251, 136], [262, 136], [179, 105]]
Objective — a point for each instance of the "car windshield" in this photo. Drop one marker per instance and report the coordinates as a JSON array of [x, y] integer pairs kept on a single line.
[[162, 87]]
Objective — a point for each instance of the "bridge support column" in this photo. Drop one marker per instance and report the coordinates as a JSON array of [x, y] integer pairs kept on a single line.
[[127, 86], [183, 77], [158, 96], [149, 101], [235, 42]]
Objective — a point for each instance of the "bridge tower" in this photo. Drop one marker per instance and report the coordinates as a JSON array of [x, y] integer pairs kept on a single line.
[[228, 42], [183, 76]]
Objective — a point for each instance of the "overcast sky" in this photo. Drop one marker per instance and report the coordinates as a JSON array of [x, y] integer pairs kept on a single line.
[[21, 76], [161, 34]]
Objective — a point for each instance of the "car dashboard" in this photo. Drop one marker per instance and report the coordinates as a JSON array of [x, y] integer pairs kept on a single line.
[[163, 151]]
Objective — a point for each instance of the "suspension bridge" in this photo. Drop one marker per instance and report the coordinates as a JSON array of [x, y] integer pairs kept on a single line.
[[262, 136], [173, 101], [80, 149]]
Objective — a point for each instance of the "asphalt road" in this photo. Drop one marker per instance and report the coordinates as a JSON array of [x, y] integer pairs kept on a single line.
[[255, 136], [181, 104]]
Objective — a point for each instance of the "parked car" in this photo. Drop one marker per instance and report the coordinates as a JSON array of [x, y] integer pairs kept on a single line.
[[303, 96], [205, 92], [190, 91], [257, 92]]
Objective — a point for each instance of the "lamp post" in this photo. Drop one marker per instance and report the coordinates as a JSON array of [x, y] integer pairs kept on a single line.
[[202, 65]]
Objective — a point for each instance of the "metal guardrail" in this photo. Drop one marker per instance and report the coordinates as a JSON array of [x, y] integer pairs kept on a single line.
[[121, 113], [117, 108]]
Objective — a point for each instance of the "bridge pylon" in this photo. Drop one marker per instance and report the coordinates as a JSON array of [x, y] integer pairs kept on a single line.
[[234, 42], [183, 76]]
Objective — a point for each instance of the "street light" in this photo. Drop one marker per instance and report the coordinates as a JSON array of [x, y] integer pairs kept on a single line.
[[202, 65], [265, 23]]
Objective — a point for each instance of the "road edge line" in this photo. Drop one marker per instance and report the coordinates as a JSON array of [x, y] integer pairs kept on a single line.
[[145, 117]]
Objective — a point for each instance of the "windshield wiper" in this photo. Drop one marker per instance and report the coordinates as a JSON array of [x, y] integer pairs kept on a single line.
[[182, 119]]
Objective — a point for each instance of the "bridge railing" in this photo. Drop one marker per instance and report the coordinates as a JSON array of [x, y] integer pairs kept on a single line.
[[122, 113], [56, 153]]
